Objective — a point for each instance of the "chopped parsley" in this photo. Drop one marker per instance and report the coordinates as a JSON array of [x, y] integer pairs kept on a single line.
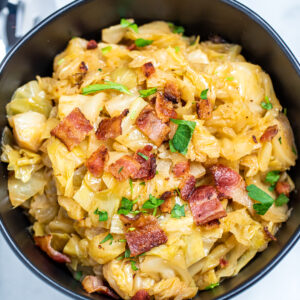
[[264, 199], [285, 111], [153, 203], [105, 50], [78, 275], [230, 78], [143, 42], [127, 253], [177, 49], [60, 61], [107, 238], [148, 92], [178, 211], [294, 150], [108, 85], [280, 140], [126, 206], [182, 136], [176, 29], [102, 215], [281, 199], [212, 286], [133, 265], [203, 94], [120, 170], [266, 104], [100, 70], [131, 228], [272, 177], [143, 155], [122, 241], [142, 183], [125, 23]]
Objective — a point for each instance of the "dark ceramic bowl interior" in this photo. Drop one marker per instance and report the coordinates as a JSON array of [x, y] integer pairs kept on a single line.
[[261, 45]]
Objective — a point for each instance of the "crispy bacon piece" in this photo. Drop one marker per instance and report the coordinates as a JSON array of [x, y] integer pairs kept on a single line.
[[128, 220], [254, 139], [182, 168], [269, 235], [212, 224], [148, 166], [269, 133], [141, 295], [92, 44], [204, 109], [146, 235], [223, 263], [148, 69], [283, 187], [111, 128], [132, 46], [230, 185], [83, 67], [44, 242], [171, 92], [167, 206], [152, 126], [124, 167], [97, 160], [205, 205], [187, 187], [164, 108], [73, 129], [93, 284]]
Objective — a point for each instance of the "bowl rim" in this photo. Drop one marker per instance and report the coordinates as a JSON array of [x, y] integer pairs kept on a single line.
[[243, 285]]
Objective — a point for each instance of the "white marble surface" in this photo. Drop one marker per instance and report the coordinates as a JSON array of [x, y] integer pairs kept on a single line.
[[17, 282]]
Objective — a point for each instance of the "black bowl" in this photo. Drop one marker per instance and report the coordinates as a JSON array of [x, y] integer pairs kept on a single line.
[[261, 45]]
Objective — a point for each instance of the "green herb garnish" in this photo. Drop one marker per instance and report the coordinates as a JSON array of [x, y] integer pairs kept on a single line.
[[259, 195], [107, 238], [133, 265], [281, 199], [105, 50], [230, 78], [143, 155], [125, 23], [285, 111], [153, 203], [100, 70], [203, 94], [294, 150], [108, 85], [122, 241], [212, 286], [60, 61], [142, 183], [266, 104], [78, 275], [182, 136], [280, 140], [178, 211], [177, 49], [148, 92], [175, 28], [131, 228], [127, 253], [143, 42], [272, 177], [126, 206], [120, 170], [102, 215]]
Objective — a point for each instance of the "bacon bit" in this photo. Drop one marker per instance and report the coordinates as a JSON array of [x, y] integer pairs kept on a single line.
[[111, 128], [187, 187], [97, 160], [92, 44], [152, 126], [73, 129], [269, 235], [205, 205], [230, 185], [223, 263], [124, 167], [128, 220], [44, 242], [171, 92], [212, 224], [132, 47], [147, 235], [167, 206], [269, 133], [93, 284], [254, 139], [164, 108], [141, 295], [148, 69], [148, 167], [181, 168], [283, 188], [204, 109], [83, 67]]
